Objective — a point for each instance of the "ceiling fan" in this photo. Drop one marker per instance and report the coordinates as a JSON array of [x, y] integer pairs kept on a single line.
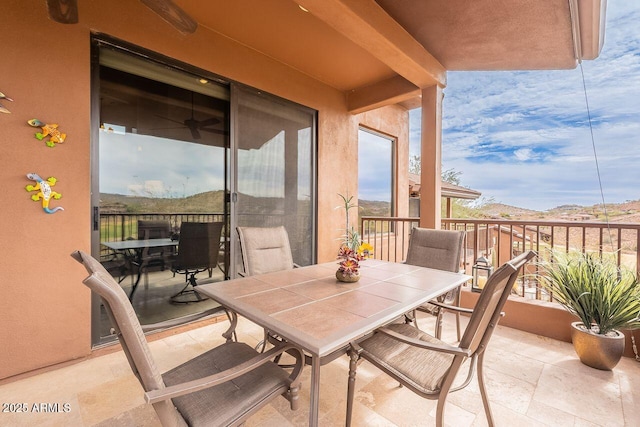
[[195, 126], [66, 12]]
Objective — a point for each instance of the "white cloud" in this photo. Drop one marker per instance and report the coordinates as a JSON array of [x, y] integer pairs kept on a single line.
[[524, 139]]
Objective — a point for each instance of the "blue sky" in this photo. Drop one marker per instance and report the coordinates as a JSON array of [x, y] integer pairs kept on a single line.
[[523, 138]]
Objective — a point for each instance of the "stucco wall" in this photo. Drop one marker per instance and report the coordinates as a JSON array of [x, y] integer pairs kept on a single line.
[[45, 310]]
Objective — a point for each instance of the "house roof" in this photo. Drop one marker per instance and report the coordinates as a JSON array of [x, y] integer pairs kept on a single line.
[[447, 189], [381, 52]]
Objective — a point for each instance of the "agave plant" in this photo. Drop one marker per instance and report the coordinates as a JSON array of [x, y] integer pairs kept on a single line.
[[351, 237], [603, 296]]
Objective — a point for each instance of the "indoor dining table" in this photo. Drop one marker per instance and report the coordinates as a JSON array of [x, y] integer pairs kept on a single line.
[[310, 308]]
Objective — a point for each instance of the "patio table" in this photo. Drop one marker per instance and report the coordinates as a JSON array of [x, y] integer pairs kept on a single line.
[[132, 249], [308, 307]]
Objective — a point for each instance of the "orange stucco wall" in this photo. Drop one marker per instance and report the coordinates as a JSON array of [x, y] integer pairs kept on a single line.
[[45, 68], [540, 317]]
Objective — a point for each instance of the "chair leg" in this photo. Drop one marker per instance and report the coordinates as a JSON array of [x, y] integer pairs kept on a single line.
[[457, 304], [351, 384], [440, 409], [439, 321], [483, 390]]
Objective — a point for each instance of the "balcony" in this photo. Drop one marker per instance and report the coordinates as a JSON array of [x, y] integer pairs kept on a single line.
[[532, 381]]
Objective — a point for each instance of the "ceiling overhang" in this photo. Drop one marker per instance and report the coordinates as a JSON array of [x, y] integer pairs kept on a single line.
[[382, 52]]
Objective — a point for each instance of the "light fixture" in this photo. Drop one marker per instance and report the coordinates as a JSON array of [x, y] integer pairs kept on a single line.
[[303, 9], [481, 271], [203, 81]]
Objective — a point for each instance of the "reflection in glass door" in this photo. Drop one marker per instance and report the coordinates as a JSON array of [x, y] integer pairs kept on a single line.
[[274, 165], [163, 162]]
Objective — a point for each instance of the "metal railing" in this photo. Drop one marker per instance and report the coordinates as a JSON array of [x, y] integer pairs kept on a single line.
[[116, 227], [501, 240]]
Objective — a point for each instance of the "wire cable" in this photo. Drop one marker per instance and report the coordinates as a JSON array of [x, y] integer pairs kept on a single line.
[[595, 155]]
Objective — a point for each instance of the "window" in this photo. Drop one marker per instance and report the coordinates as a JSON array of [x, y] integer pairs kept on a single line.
[[376, 174]]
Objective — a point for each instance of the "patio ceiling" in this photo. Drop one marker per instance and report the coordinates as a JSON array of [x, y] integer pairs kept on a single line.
[[384, 51]]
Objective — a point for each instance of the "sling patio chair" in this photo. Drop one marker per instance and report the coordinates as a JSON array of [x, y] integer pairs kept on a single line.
[[439, 249], [265, 250], [429, 366], [154, 257], [223, 386], [198, 251]]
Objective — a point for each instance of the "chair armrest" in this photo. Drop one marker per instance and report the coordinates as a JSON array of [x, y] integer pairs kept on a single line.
[[154, 396], [451, 307], [455, 308], [441, 347], [181, 320]]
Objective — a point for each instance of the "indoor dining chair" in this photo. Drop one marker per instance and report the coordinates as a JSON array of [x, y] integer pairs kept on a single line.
[[221, 387], [442, 250], [429, 366]]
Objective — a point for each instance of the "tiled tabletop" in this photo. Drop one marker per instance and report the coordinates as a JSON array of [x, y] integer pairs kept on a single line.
[[309, 307]]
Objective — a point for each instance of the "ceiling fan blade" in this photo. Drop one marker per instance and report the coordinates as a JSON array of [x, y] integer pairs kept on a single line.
[[195, 133], [173, 14], [218, 131], [63, 11], [171, 120], [208, 122]]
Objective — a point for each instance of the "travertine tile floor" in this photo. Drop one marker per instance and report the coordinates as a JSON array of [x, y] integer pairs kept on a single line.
[[532, 381]]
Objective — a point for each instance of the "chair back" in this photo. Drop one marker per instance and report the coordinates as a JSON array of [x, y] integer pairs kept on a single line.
[[265, 249], [486, 312], [129, 332], [123, 320], [198, 246], [153, 229], [440, 249]]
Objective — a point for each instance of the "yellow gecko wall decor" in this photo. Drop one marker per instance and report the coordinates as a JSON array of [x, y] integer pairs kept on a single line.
[[44, 192], [50, 130]]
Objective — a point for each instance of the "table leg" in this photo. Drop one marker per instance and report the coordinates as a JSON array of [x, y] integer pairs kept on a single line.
[[315, 391]]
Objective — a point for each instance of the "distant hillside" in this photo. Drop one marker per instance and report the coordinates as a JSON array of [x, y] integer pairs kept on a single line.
[[500, 210], [213, 201], [373, 208], [617, 212]]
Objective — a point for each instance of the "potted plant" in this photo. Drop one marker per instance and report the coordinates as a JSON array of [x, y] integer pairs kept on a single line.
[[352, 250], [603, 296]]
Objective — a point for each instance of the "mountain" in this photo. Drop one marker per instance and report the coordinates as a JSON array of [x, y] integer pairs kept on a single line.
[[213, 201], [628, 212]]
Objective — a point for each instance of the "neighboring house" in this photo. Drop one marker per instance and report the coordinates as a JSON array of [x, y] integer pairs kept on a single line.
[[278, 88], [448, 192]]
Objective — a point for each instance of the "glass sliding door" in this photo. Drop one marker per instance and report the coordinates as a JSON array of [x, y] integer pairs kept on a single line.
[[275, 148], [162, 161]]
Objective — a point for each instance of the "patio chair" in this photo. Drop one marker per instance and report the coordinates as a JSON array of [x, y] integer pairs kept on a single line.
[[157, 257], [439, 249], [264, 250], [223, 386], [429, 366], [198, 251]]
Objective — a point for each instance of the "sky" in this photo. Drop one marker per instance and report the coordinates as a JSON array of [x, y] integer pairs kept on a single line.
[[523, 139]]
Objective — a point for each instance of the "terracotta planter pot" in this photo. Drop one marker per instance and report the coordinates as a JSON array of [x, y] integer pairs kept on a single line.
[[346, 278], [598, 351]]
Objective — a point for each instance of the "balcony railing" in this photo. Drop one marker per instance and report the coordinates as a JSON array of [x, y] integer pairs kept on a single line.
[[122, 226], [501, 240]]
